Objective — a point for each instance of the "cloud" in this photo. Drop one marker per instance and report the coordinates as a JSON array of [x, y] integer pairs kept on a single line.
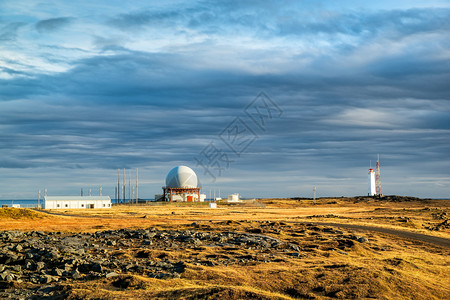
[[137, 20], [9, 31], [53, 24], [151, 87]]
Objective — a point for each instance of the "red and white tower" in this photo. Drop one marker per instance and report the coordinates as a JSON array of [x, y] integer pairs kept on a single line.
[[378, 178]]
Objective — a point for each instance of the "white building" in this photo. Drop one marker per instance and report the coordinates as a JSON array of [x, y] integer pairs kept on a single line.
[[372, 190], [233, 198], [76, 202]]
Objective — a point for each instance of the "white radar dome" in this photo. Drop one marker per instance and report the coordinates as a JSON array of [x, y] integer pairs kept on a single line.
[[181, 177]]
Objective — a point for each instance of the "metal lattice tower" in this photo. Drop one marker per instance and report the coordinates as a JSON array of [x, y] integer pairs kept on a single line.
[[378, 178]]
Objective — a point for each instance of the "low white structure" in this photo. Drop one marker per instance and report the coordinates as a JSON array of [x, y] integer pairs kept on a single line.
[[188, 197], [76, 202], [233, 198], [213, 205]]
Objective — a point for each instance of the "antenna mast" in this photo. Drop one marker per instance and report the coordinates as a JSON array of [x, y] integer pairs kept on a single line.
[[123, 185], [378, 177], [137, 185]]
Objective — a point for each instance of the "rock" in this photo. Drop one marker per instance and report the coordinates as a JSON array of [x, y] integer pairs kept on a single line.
[[53, 255], [40, 266], [362, 239], [9, 277], [294, 247], [79, 251], [3, 275], [150, 235], [255, 230], [57, 272], [111, 274], [17, 268], [29, 265], [96, 267], [111, 243], [68, 267], [164, 265], [9, 258], [45, 279], [76, 274], [179, 267], [167, 275], [342, 252]]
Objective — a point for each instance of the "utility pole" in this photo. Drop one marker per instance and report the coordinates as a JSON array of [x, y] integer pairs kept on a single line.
[[129, 186], [39, 199], [314, 195]]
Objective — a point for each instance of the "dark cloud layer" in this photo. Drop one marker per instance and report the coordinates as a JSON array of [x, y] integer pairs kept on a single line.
[[350, 84], [53, 24], [8, 31]]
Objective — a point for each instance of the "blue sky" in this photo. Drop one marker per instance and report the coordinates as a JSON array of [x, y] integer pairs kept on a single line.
[[91, 87]]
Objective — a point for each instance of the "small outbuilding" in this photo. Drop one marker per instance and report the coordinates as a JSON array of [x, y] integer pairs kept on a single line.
[[76, 202], [233, 198]]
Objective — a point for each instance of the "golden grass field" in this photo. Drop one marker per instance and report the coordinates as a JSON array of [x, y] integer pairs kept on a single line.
[[384, 267]]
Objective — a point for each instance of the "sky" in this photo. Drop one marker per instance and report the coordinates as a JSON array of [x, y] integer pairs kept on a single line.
[[261, 98]]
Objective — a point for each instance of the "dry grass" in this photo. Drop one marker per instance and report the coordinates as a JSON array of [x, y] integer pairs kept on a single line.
[[384, 268], [412, 216], [20, 214]]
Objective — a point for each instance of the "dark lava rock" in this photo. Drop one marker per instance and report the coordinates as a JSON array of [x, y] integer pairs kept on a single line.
[[362, 239], [76, 274]]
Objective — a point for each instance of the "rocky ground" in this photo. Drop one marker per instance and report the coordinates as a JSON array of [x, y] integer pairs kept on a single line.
[[46, 264]]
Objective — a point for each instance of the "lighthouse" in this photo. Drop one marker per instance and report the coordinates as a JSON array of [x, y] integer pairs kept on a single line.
[[372, 190]]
